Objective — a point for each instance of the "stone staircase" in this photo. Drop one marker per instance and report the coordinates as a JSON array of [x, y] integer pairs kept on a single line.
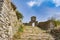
[[35, 33]]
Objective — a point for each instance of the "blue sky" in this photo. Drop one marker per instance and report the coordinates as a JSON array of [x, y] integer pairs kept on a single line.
[[42, 9]]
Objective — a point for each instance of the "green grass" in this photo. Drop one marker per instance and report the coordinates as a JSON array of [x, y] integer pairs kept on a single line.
[[57, 22], [20, 29]]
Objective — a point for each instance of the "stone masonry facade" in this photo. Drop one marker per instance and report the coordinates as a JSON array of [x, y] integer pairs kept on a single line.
[[8, 20]]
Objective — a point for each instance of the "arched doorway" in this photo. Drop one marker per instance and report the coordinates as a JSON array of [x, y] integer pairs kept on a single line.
[[33, 24]]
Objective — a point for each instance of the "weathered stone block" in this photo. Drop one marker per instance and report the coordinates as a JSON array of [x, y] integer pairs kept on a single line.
[[1, 0], [0, 9]]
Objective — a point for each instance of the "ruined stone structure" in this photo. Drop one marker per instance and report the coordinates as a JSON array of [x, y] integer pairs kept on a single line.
[[8, 20], [47, 25], [33, 21]]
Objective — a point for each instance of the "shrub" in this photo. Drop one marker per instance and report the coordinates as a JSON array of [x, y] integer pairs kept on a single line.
[[19, 15], [20, 29]]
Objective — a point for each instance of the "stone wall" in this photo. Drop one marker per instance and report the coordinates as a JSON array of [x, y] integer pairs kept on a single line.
[[47, 25], [8, 20]]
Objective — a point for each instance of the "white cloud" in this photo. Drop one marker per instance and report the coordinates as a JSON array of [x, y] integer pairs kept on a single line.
[[57, 2], [35, 2], [39, 2], [31, 3]]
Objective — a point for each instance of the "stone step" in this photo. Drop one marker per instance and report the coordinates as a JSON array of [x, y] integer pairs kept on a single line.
[[37, 37], [31, 29], [34, 33], [28, 39]]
